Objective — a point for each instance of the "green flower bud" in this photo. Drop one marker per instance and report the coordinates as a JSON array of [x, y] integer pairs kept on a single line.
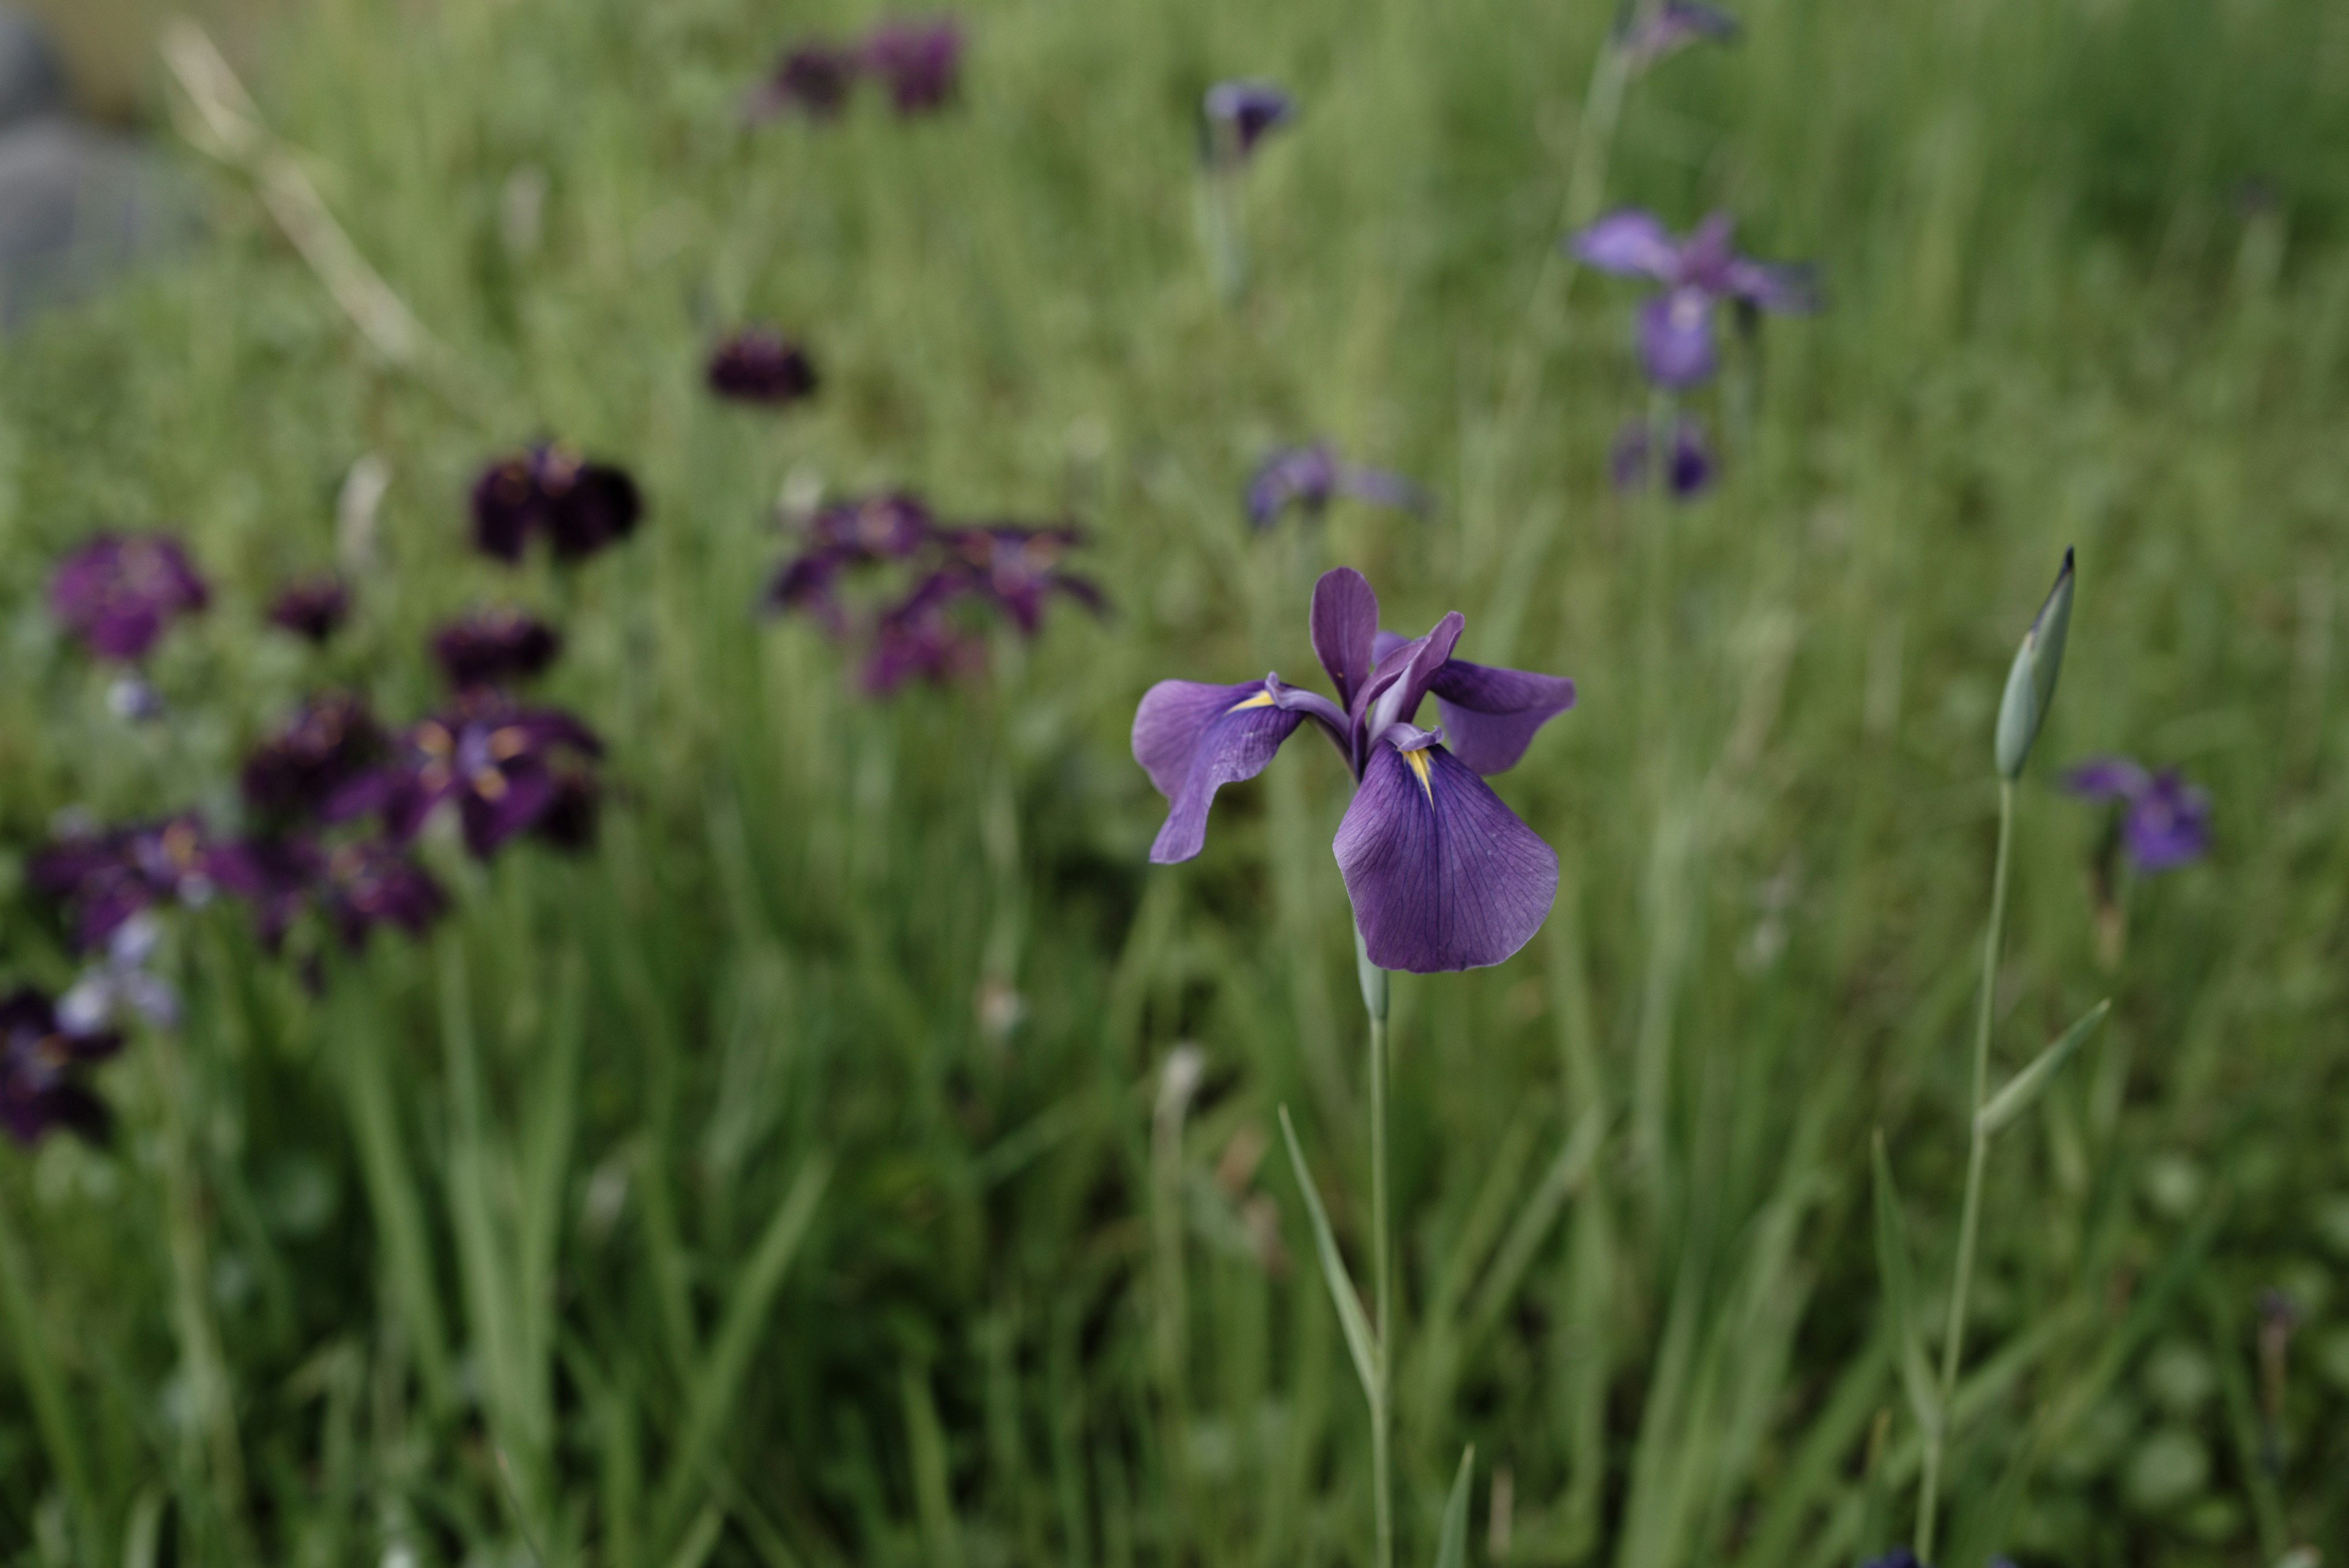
[[2031, 680]]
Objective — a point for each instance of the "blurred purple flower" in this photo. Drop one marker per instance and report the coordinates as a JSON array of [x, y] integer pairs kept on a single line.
[[496, 762], [1017, 569], [919, 640], [1688, 471], [1443, 875], [276, 876], [331, 739], [1667, 29], [888, 527], [580, 506], [116, 593], [756, 366], [2165, 821], [920, 58], [312, 607], [1235, 115], [1309, 477], [41, 1065], [812, 79], [492, 647], [367, 883], [1675, 326], [107, 878]]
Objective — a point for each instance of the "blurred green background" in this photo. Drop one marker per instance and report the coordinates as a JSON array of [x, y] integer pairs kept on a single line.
[[781, 1184]]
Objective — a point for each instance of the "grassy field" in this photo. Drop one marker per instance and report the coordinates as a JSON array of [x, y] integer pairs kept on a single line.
[[789, 1181]]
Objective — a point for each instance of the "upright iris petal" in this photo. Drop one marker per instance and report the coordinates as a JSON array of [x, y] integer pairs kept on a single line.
[[919, 59], [1443, 875], [1675, 328], [116, 593], [494, 647]]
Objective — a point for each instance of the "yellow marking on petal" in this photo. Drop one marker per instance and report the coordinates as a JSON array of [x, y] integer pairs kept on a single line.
[[1419, 764], [1261, 699]]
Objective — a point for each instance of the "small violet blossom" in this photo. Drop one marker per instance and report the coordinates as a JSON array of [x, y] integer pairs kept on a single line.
[[756, 366], [506, 769], [919, 59], [580, 506], [811, 79], [1235, 115], [493, 647], [1675, 326], [115, 593], [120, 986], [1688, 468], [314, 606], [331, 739], [1659, 32], [2165, 821], [41, 1066], [107, 878], [1310, 477], [1441, 874]]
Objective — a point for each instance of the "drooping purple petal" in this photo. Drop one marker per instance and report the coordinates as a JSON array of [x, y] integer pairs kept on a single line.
[[491, 647], [1192, 740], [812, 79], [1304, 477], [1676, 338], [601, 506], [1441, 874], [312, 607], [1344, 624], [758, 366], [1630, 244], [2108, 778], [1490, 715]]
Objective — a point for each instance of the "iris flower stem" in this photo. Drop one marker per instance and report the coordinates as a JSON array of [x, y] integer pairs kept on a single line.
[[1970, 1217], [1374, 1000]]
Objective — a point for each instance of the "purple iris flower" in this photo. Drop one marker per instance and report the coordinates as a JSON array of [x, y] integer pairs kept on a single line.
[[2165, 821], [756, 366], [41, 1064], [357, 885], [894, 526], [500, 764], [1310, 477], [580, 506], [1688, 468], [1017, 569], [812, 79], [1667, 29], [922, 640], [314, 607], [107, 878], [920, 58], [331, 739], [116, 593], [1676, 343], [492, 647], [1235, 115], [1443, 875]]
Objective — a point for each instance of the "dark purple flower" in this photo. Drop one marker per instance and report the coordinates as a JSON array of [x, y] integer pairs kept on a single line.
[[2165, 821], [1235, 115], [276, 876], [580, 506], [919, 58], [367, 883], [756, 366], [812, 79], [920, 638], [116, 593], [497, 762], [1443, 875], [330, 740], [491, 647], [1016, 569], [891, 527], [805, 582], [312, 607], [1676, 345], [1310, 477], [40, 1071], [1687, 473], [571, 818], [1666, 30], [107, 878]]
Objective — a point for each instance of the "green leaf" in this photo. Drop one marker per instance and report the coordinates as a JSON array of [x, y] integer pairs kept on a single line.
[[1452, 1545], [2022, 1089], [1333, 1269], [1892, 1264]]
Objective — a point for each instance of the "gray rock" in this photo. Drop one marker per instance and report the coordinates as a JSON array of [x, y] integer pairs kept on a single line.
[[76, 206], [32, 77]]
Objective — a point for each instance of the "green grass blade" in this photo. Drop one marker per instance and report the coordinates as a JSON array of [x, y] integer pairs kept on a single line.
[[1892, 1264], [38, 1367], [1452, 1543], [2025, 1087], [1564, 1176], [1333, 1268]]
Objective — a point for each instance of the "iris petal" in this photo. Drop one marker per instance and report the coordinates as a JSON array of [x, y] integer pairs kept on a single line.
[[1631, 242], [1345, 628], [1676, 338], [1192, 740], [1443, 875], [1491, 715]]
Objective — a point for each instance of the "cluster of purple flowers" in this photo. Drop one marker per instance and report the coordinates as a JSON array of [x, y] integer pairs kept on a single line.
[[950, 581], [917, 60]]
